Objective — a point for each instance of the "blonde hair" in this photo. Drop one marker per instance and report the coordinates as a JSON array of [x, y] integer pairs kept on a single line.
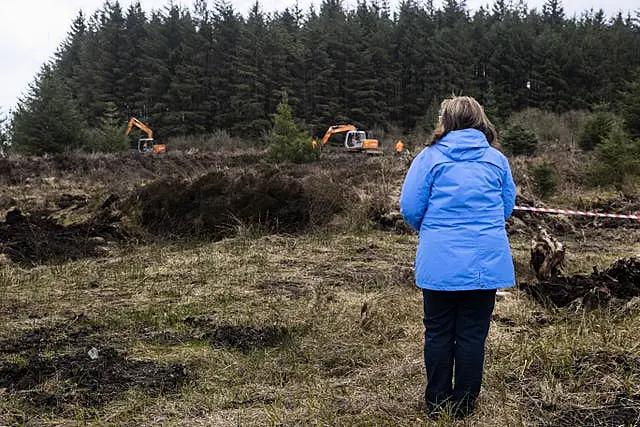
[[463, 112]]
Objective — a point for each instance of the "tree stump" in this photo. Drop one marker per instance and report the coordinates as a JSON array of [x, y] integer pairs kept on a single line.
[[547, 255]]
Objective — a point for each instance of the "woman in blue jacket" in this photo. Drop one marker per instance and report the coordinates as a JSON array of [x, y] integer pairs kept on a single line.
[[457, 194]]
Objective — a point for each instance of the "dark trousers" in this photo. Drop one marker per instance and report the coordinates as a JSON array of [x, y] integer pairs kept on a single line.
[[456, 327]]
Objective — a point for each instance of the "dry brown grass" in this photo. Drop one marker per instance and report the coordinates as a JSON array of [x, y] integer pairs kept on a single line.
[[316, 329], [351, 353]]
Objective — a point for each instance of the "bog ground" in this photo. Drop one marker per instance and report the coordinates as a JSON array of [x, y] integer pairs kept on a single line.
[[208, 289]]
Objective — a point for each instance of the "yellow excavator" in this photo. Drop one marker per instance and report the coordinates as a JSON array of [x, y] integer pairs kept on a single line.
[[145, 145], [354, 140]]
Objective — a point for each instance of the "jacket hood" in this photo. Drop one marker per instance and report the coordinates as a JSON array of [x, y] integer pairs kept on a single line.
[[463, 145]]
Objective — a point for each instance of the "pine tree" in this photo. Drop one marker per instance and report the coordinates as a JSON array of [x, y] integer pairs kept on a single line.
[[135, 31], [595, 130], [155, 74], [553, 12], [373, 53], [333, 83], [288, 143], [286, 71], [519, 141], [46, 119], [204, 58], [183, 96], [418, 67], [631, 109], [318, 111], [186, 73], [248, 99], [109, 136], [227, 27], [618, 160], [111, 63], [545, 180], [68, 56], [84, 81]]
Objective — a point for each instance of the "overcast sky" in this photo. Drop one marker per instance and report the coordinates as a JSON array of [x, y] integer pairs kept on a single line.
[[31, 30]]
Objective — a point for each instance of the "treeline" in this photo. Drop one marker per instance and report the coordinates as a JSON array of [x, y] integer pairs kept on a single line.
[[194, 71]]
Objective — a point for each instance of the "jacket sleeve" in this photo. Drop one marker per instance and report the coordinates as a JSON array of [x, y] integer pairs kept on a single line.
[[508, 191], [416, 190]]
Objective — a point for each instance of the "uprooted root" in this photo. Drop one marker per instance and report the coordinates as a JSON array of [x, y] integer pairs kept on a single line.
[[621, 280]]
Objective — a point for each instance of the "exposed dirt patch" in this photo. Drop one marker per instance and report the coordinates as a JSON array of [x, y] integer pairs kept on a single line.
[[247, 338], [289, 288], [48, 383], [72, 201], [243, 338], [601, 373], [50, 367], [624, 412], [36, 237], [63, 335], [621, 280]]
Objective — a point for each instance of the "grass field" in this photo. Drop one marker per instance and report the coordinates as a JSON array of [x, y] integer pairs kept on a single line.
[[316, 328], [282, 330]]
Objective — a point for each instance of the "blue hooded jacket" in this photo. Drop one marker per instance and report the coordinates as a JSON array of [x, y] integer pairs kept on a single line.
[[457, 195]]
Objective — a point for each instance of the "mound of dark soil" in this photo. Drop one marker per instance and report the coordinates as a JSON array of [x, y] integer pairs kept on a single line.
[[621, 280], [38, 238], [218, 203], [243, 338], [84, 382]]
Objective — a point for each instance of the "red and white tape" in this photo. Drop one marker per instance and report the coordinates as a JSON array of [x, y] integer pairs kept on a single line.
[[571, 212]]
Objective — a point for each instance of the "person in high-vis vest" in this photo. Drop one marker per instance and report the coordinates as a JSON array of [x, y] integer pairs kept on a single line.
[[399, 147]]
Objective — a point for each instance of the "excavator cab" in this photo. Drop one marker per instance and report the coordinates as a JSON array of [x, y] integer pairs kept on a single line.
[[357, 140], [145, 145], [354, 139]]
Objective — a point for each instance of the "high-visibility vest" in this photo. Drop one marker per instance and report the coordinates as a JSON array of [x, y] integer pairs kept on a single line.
[[399, 147]]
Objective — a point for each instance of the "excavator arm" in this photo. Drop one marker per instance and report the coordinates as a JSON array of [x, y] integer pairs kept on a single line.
[[137, 123], [336, 129], [145, 144]]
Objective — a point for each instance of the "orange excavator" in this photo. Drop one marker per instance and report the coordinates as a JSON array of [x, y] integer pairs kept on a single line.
[[354, 140], [145, 145]]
